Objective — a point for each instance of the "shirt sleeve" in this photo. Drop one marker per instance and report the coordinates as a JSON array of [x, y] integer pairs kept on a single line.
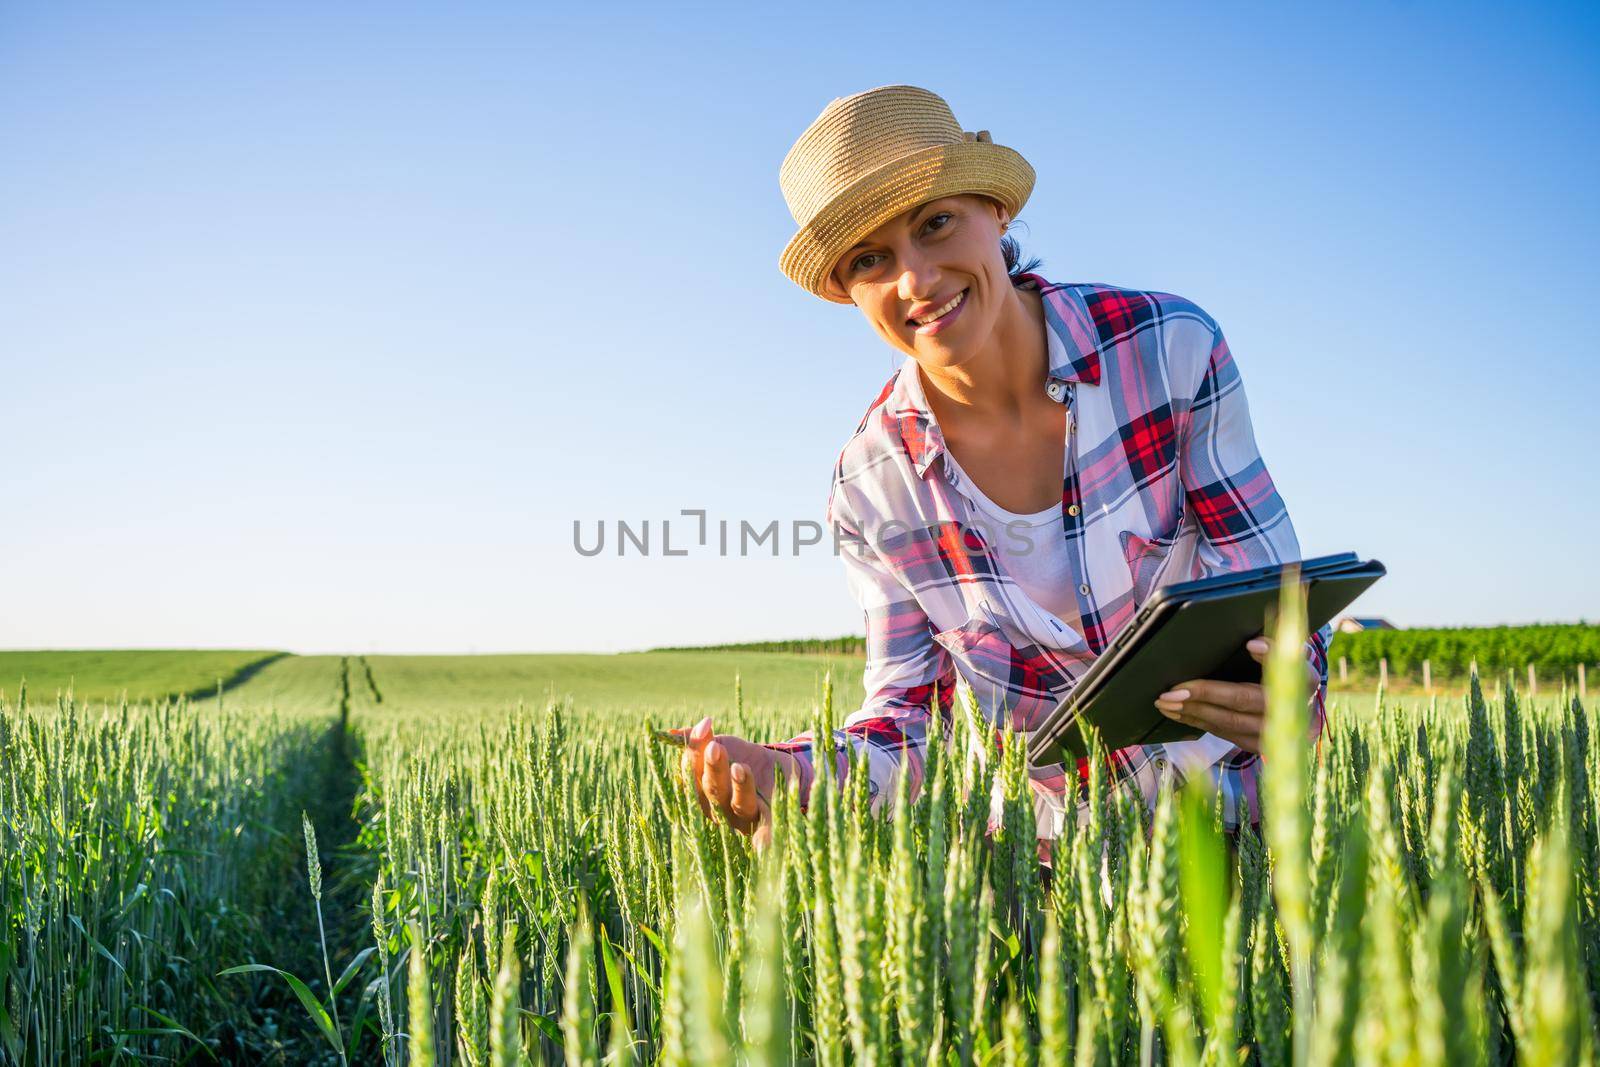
[[904, 667], [1242, 520], [1243, 523], [1317, 653]]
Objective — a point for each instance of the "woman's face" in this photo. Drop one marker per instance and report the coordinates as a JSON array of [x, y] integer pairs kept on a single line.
[[910, 268]]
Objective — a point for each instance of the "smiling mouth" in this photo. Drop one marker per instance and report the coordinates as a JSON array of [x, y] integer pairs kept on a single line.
[[954, 303]]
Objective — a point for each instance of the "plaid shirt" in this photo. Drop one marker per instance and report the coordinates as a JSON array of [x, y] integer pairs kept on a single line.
[[1162, 483]]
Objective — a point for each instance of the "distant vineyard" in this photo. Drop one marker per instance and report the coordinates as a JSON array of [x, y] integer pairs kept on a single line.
[[831, 646], [1553, 649]]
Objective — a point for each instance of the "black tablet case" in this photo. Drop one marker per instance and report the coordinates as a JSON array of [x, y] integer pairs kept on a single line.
[[1188, 630]]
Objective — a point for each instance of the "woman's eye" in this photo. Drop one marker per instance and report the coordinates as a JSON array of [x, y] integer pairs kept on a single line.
[[856, 266], [935, 218]]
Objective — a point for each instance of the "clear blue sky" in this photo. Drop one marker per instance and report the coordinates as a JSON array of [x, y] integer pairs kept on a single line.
[[320, 324]]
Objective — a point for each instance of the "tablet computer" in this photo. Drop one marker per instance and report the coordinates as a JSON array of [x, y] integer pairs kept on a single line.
[[1182, 631]]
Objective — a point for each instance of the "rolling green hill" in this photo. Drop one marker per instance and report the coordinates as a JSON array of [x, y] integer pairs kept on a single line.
[[143, 675]]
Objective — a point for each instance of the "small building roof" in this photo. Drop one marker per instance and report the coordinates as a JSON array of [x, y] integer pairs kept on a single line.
[[1354, 623]]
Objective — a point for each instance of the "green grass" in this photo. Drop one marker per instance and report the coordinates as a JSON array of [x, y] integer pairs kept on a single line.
[[293, 685], [676, 685], [682, 683], [686, 681], [464, 689], [96, 676]]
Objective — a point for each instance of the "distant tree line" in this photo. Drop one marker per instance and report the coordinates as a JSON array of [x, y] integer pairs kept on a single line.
[[1553, 648]]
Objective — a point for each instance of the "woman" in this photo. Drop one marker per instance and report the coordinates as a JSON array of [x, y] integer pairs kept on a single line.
[[1047, 455]]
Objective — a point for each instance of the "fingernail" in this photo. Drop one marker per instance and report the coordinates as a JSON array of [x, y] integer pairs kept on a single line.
[[740, 773], [1177, 696], [1257, 644], [703, 727], [714, 751]]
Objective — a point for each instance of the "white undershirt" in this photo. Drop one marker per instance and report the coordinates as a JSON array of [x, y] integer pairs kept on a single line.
[[1032, 550], [1046, 575]]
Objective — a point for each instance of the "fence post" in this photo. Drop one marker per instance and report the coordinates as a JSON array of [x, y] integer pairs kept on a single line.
[[1344, 671], [1533, 682], [1383, 672], [1581, 686], [1427, 676]]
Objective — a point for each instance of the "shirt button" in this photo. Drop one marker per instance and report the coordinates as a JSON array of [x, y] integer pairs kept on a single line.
[[1072, 509], [1053, 390], [1083, 589]]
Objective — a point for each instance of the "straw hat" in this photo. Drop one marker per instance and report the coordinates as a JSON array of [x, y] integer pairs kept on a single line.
[[870, 156]]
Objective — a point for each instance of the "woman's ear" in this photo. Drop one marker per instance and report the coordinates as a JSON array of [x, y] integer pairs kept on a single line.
[[1001, 215], [831, 284]]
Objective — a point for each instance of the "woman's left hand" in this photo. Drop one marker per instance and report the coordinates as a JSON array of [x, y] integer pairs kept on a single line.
[[1234, 711]]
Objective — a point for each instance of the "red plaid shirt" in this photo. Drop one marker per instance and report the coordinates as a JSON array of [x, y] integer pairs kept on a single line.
[[1162, 483]]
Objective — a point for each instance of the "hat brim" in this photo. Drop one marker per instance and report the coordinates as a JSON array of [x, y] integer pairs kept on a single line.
[[878, 196]]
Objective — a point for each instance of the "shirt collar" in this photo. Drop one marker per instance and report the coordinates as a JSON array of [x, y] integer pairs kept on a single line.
[[1074, 349]]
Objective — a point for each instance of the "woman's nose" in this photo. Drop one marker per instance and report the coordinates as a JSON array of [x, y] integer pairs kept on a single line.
[[918, 282]]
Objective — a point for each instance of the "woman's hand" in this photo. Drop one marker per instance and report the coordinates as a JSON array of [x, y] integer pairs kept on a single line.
[[735, 777], [1234, 711]]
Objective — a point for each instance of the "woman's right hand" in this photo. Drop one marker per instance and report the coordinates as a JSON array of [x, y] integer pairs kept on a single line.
[[735, 778]]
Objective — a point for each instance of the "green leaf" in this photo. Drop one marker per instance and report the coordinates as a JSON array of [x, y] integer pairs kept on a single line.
[[655, 939], [1203, 878], [544, 1024], [354, 967], [1005, 937], [613, 972], [98, 947], [643, 974], [314, 1008], [174, 1027], [363, 1013]]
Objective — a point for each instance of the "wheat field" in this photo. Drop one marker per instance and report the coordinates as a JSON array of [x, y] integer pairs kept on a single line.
[[409, 860]]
